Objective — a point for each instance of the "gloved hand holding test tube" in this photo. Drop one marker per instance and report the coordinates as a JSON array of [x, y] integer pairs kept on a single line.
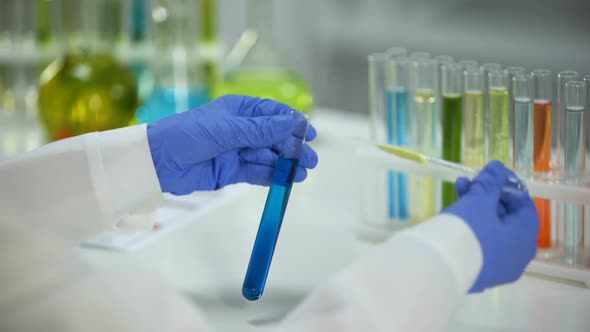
[[274, 210], [513, 184]]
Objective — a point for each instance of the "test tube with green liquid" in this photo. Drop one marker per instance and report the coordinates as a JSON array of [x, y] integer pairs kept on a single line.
[[452, 122], [473, 118], [423, 82], [499, 117]]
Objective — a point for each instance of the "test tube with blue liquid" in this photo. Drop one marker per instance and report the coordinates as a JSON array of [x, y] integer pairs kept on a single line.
[[396, 118], [274, 210]]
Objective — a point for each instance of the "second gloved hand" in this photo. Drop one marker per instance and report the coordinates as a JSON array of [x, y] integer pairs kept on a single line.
[[506, 225], [232, 139]]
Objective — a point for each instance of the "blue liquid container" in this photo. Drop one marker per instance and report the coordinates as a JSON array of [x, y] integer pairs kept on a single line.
[[274, 210], [397, 113], [268, 231], [162, 103]]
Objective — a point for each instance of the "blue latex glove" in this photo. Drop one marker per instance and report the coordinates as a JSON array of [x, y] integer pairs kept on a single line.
[[506, 225], [232, 139]]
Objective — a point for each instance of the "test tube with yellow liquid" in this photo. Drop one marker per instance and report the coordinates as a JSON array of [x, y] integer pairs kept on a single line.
[[499, 117], [473, 118], [422, 189]]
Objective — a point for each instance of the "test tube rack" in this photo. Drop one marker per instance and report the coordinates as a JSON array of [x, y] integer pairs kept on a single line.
[[547, 268]]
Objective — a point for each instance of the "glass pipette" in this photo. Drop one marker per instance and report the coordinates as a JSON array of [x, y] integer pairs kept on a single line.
[[274, 210], [513, 184]]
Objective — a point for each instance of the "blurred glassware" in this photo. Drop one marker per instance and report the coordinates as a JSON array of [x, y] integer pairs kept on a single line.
[[256, 65], [179, 81], [86, 89]]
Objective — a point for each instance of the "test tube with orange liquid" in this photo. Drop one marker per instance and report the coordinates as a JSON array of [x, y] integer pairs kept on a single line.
[[543, 90]]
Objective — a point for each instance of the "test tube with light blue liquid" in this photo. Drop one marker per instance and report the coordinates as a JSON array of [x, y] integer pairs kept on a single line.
[[574, 168], [392, 106], [397, 119], [523, 155], [274, 210]]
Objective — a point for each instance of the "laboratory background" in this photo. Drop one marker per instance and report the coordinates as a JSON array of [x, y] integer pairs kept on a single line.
[[457, 83]]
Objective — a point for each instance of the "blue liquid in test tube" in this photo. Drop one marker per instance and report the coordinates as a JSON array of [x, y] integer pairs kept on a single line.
[[274, 211], [401, 105], [391, 102]]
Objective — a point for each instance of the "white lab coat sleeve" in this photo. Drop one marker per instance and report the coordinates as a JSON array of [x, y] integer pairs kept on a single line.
[[413, 282], [81, 186]]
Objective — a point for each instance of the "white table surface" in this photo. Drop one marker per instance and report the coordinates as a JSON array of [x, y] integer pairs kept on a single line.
[[207, 258]]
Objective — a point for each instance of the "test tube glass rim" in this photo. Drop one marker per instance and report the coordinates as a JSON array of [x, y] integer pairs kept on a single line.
[[468, 63]]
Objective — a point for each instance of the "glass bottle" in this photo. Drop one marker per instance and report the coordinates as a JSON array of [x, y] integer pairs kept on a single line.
[[179, 82], [86, 89], [257, 67]]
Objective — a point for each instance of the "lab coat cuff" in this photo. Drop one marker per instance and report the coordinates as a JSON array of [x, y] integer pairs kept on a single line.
[[131, 177], [452, 238]]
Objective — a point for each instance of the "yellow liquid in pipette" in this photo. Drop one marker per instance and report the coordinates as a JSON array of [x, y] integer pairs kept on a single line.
[[422, 189], [473, 122]]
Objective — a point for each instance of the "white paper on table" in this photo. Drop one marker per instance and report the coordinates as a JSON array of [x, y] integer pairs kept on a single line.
[[175, 212]]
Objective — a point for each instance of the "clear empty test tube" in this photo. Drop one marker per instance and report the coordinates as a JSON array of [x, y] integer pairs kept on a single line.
[[543, 96], [512, 71], [499, 117], [422, 189], [382, 188], [523, 125], [398, 81], [587, 177], [559, 133], [274, 210], [574, 168], [473, 118], [452, 122]]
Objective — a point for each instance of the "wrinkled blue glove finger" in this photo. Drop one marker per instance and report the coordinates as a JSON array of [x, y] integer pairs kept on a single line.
[[300, 174], [253, 106], [308, 157], [255, 174], [516, 201], [264, 156], [256, 107], [490, 181], [311, 133], [268, 157], [462, 186], [262, 175], [240, 132]]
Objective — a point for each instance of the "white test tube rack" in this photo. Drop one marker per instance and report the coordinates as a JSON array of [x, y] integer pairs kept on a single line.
[[550, 269]]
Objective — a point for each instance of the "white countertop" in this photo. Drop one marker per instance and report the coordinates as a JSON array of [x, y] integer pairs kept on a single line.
[[207, 258]]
